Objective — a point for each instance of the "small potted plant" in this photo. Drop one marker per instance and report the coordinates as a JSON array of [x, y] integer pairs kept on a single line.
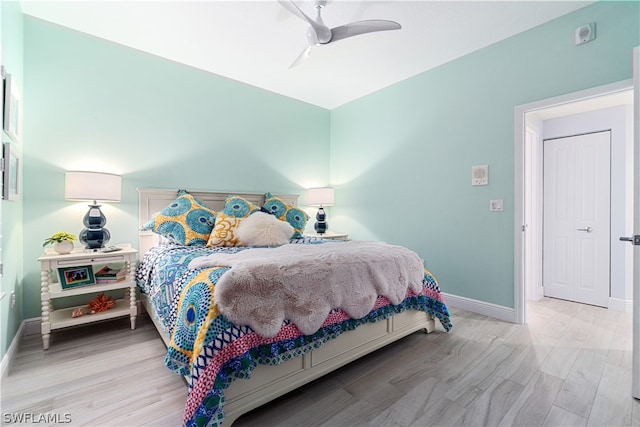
[[62, 242]]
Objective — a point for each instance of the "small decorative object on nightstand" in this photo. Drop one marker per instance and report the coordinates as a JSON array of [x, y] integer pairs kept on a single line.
[[330, 235], [62, 242], [52, 263], [321, 197]]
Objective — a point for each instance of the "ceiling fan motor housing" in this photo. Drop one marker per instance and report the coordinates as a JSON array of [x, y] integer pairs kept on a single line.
[[319, 33]]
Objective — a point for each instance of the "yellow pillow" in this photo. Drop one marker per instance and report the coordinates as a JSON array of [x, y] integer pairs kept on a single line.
[[224, 232]]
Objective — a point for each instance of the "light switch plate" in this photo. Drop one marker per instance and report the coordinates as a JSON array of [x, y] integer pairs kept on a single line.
[[496, 206], [480, 175]]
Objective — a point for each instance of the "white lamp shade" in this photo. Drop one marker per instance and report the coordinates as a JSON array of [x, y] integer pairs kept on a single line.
[[105, 187], [323, 196]]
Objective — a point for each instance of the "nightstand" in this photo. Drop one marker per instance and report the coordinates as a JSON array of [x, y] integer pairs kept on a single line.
[[51, 288], [330, 235]]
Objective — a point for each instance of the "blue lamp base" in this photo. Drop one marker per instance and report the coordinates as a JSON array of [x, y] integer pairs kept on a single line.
[[94, 236], [321, 226]]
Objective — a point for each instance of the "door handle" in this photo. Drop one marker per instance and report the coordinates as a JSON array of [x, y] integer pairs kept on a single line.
[[635, 240], [588, 229]]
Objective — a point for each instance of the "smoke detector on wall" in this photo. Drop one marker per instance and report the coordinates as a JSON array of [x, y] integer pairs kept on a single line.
[[585, 33]]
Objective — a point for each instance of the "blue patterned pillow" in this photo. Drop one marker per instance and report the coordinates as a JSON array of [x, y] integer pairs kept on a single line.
[[238, 207], [285, 212], [186, 221]]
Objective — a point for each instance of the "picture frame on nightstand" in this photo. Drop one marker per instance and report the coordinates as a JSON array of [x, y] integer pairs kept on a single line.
[[73, 277]]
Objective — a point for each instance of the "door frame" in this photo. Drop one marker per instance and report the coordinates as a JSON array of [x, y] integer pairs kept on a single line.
[[533, 184], [520, 125], [635, 353]]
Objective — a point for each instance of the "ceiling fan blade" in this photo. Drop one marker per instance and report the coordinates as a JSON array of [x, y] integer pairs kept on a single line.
[[362, 27], [302, 57], [293, 8]]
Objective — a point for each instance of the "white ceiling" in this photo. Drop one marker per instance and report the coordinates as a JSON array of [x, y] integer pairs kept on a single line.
[[255, 42]]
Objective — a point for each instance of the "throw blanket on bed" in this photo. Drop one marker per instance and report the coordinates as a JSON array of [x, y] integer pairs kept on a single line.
[[303, 283]]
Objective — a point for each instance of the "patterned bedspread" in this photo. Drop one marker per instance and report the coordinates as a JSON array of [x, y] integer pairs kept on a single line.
[[211, 352]]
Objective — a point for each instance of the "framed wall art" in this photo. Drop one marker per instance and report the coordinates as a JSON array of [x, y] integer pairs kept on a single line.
[[2, 72], [11, 172], [12, 118]]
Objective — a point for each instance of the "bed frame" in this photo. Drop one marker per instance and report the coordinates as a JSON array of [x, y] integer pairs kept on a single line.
[[269, 382]]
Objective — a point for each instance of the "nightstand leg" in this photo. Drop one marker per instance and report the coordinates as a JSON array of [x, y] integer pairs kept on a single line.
[[45, 303], [45, 327], [133, 305], [45, 341]]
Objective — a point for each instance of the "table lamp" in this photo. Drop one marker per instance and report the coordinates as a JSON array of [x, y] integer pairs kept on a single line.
[[93, 186], [323, 196]]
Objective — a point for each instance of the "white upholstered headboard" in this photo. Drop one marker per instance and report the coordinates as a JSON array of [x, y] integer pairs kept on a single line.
[[153, 200]]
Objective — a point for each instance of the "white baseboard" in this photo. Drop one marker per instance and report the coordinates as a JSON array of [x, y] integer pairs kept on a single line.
[[485, 308], [27, 327], [11, 352], [617, 304]]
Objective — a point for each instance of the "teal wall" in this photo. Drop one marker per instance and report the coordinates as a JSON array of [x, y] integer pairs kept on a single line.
[[416, 141], [11, 40]]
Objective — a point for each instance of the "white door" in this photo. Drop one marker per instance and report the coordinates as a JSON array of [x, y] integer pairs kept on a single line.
[[576, 216]]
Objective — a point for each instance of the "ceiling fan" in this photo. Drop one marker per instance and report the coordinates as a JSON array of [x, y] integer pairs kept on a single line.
[[319, 34]]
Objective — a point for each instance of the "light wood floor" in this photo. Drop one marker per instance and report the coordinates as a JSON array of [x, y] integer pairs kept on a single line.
[[571, 365]]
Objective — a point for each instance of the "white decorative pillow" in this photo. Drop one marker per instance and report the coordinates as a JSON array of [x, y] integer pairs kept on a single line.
[[224, 232], [263, 229]]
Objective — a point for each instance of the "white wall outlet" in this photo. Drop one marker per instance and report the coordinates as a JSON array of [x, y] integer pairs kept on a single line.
[[480, 175], [495, 206], [12, 302]]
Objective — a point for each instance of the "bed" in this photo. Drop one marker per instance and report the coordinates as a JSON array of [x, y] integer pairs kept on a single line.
[[229, 368]]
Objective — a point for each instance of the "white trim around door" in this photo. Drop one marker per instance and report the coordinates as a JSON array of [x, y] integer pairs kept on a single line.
[[520, 123]]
